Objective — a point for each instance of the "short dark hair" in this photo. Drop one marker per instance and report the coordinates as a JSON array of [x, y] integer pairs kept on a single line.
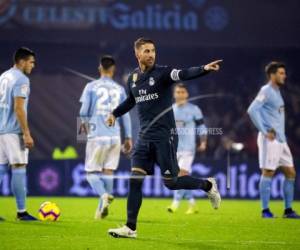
[[22, 54], [107, 61], [272, 67], [141, 41], [180, 85]]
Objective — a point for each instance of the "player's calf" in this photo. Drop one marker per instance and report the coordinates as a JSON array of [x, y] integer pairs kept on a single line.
[[186, 182], [135, 197], [18, 183], [189, 182]]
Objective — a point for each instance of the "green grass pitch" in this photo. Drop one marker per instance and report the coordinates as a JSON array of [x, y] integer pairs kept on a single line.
[[237, 225]]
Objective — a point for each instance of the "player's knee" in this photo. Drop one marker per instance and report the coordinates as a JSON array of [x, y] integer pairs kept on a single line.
[[183, 172], [290, 173], [268, 173], [171, 183], [18, 165], [108, 171]]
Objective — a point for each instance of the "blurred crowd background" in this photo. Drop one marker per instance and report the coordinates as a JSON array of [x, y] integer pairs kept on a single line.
[[64, 34]]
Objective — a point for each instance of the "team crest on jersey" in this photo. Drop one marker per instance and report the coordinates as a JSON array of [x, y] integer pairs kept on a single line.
[[261, 97], [281, 109], [24, 90], [151, 81], [134, 79]]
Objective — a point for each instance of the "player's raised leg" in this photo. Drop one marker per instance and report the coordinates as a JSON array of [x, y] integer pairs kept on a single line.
[[167, 160], [188, 182]]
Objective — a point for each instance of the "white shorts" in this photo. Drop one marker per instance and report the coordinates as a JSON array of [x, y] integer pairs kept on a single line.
[[102, 153], [185, 160], [12, 150], [273, 154]]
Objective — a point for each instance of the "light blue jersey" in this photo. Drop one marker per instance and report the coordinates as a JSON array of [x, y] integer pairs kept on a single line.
[[99, 99], [189, 123], [13, 83], [267, 111]]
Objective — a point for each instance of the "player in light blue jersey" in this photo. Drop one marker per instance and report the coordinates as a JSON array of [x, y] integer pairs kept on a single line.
[[267, 114], [15, 137], [103, 147], [189, 124]]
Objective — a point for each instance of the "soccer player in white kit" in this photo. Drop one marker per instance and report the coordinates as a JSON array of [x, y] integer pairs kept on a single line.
[[268, 115], [15, 137], [189, 123], [103, 147]]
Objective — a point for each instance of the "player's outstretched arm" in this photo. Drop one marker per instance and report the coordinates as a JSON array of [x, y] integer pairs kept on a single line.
[[194, 72], [19, 103]]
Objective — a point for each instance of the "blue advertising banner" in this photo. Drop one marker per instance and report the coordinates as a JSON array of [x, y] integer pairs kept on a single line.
[[190, 22], [67, 178]]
